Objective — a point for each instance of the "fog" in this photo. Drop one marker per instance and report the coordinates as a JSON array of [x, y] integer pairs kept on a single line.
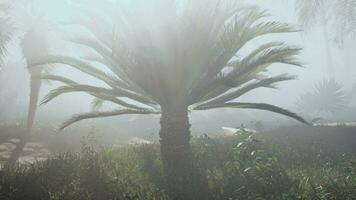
[[177, 99], [56, 19]]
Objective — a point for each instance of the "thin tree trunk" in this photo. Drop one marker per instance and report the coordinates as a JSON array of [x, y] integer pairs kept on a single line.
[[176, 152], [353, 92], [34, 94], [330, 64]]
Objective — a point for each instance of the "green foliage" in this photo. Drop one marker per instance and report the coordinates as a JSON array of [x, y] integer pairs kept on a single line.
[[328, 182], [238, 168], [296, 165], [87, 176]]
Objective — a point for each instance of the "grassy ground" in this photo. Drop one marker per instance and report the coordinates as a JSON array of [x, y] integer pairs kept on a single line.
[[286, 163]]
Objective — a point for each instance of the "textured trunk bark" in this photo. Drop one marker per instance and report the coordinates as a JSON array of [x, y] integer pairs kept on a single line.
[[176, 152], [32, 108]]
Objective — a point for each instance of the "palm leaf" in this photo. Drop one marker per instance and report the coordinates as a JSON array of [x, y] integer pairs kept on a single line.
[[267, 82], [92, 115], [248, 68], [5, 35], [82, 66], [258, 106], [102, 93], [88, 69]]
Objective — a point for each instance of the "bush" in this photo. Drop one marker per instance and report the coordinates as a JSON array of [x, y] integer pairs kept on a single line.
[[238, 168], [84, 176]]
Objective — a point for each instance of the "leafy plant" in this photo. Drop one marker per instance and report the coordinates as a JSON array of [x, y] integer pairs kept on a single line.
[[238, 167]]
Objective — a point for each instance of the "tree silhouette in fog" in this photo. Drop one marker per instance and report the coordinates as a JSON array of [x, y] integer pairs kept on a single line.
[[34, 43]]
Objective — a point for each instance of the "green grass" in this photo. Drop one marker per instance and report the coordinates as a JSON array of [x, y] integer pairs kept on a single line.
[[239, 167]]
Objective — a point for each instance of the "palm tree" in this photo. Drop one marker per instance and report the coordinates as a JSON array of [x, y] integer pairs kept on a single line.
[[345, 19], [188, 60], [34, 44], [317, 12], [327, 97], [336, 18]]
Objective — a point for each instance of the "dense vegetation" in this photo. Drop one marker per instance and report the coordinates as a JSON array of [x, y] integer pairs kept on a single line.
[[244, 166]]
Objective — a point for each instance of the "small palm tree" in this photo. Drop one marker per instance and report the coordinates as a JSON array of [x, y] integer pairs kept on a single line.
[[327, 97], [189, 59]]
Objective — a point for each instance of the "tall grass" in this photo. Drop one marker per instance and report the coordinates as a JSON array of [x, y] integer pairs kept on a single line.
[[238, 167]]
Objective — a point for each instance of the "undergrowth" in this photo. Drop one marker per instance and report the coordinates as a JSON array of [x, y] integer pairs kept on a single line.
[[237, 167]]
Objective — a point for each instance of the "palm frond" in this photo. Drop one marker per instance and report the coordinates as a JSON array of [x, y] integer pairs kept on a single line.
[[267, 82], [309, 11], [236, 34], [82, 66], [61, 79], [249, 68], [259, 60], [102, 93], [5, 35], [93, 115], [86, 68], [258, 106]]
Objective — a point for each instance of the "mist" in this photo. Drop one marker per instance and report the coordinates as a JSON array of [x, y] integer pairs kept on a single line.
[[138, 72]]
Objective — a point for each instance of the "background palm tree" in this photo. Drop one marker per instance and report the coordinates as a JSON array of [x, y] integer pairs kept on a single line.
[[326, 97], [337, 18], [33, 44], [312, 13], [186, 59], [345, 19]]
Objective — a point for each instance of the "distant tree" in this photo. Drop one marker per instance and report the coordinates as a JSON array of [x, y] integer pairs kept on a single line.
[[327, 97], [312, 13], [337, 18], [345, 19], [34, 44], [184, 59]]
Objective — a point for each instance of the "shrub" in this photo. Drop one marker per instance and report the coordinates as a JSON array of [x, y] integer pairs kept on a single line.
[[238, 168], [83, 176]]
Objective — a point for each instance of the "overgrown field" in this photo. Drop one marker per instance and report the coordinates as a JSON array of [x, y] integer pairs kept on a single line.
[[246, 166]]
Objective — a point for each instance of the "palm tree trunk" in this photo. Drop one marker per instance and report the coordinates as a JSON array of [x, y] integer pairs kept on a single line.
[[176, 152], [330, 64], [34, 94]]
